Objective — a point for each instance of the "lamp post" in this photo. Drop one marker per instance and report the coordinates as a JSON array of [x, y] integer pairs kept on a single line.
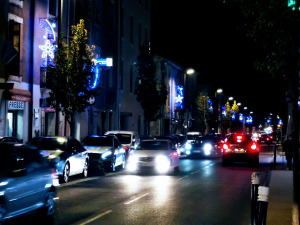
[[187, 96], [219, 96]]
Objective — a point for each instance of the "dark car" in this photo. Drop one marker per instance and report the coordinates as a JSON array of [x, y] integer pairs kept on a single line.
[[66, 154], [105, 151], [240, 147], [207, 146], [9, 139], [266, 139], [27, 182]]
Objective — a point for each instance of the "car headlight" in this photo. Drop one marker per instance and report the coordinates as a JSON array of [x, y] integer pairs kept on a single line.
[[105, 155], [188, 146], [132, 163], [162, 163], [207, 149]]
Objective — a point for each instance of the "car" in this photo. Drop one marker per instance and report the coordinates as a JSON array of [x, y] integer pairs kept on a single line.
[[192, 135], [105, 151], [66, 154], [9, 139], [240, 147], [266, 139], [206, 146], [129, 139], [27, 183], [160, 155]]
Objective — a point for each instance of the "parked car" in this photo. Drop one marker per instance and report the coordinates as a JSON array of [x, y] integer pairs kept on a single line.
[[129, 139], [266, 139], [240, 147], [105, 151], [27, 182], [206, 146], [160, 155], [66, 154], [9, 139]]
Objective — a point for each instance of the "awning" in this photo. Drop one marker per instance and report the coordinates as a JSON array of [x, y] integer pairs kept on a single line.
[[18, 95]]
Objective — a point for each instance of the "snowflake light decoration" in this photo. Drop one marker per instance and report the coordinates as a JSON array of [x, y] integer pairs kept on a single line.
[[48, 49]]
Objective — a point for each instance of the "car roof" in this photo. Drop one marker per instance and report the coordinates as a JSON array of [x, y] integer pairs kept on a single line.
[[120, 132]]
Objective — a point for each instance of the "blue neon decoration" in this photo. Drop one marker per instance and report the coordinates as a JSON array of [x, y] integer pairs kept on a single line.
[[280, 122], [249, 119], [224, 112], [233, 115], [48, 48], [179, 97], [268, 120], [241, 117]]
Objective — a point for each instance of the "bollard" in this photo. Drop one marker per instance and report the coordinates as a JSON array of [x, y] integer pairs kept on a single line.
[[275, 154], [262, 205], [255, 181]]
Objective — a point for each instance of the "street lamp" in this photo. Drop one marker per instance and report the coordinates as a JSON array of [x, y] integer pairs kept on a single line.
[[187, 96], [219, 95]]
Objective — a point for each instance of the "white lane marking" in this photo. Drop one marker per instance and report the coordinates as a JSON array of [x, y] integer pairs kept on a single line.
[[96, 217], [137, 198], [78, 181]]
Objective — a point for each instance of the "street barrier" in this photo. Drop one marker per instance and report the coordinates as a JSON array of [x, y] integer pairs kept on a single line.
[[262, 205], [255, 182]]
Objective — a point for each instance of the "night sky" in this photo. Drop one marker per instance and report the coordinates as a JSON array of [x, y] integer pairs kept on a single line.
[[209, 36]]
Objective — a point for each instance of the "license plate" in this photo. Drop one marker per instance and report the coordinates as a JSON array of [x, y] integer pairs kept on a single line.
[[197, 151], [239, 150]]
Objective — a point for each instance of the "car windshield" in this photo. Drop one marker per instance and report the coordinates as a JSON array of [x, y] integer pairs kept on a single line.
[[49, 143], [98, 141], [236, 139], [124, 138], [153, 145]]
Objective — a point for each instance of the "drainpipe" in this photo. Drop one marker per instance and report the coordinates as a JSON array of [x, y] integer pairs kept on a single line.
[[31, 28]]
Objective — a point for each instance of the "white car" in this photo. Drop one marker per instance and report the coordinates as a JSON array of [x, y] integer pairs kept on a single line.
[[160, 155], [129, 139]]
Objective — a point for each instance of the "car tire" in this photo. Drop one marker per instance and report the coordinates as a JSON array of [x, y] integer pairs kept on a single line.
[[49, 209], [124, 162], [225, 162], [85, 170], [2, 214], [66, 173]]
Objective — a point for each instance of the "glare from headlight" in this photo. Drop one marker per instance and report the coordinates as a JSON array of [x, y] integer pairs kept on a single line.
[[132, 163], [162, 164], [188, 146], [106, 154], [207, 149]]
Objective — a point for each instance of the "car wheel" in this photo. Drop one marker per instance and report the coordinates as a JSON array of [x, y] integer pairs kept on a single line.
[[85, 170], [124, 162], [65, 177], [113, 166], [2, 214], [49, 209]]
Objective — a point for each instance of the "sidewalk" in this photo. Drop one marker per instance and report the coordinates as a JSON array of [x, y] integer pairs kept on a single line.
[[281, 208]]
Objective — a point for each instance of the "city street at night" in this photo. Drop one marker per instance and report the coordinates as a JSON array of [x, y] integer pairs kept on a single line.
[[203, 192]]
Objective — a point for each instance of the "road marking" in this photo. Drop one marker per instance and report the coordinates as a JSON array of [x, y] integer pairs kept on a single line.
[[96, 217], [133, 200], [78, 181]]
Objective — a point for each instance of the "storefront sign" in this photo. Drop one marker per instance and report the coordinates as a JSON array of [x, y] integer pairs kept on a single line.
[[15, 105]]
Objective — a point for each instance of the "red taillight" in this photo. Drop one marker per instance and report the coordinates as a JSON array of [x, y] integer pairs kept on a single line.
[[225, 146], [271, 137], [253, 146], [125, 148]]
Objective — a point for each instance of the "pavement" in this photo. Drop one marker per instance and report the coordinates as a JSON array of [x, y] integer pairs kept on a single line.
[[281, 207]]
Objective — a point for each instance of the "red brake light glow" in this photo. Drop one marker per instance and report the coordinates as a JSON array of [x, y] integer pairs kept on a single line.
[[239, 138], [253, 146]]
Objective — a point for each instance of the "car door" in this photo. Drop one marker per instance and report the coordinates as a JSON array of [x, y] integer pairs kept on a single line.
[[25, 186], [119, 151], [78, 157]]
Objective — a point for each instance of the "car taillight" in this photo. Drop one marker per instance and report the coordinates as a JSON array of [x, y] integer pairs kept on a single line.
[[253, 146], [125, 148], [55, 178], [225, 146], [271, 137]]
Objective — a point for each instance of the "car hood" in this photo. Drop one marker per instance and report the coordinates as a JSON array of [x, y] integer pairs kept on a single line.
[[151, 153], [51, 154], [98, 149]]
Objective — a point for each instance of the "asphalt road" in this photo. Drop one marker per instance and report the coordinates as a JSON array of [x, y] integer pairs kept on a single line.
[[203, 192]]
